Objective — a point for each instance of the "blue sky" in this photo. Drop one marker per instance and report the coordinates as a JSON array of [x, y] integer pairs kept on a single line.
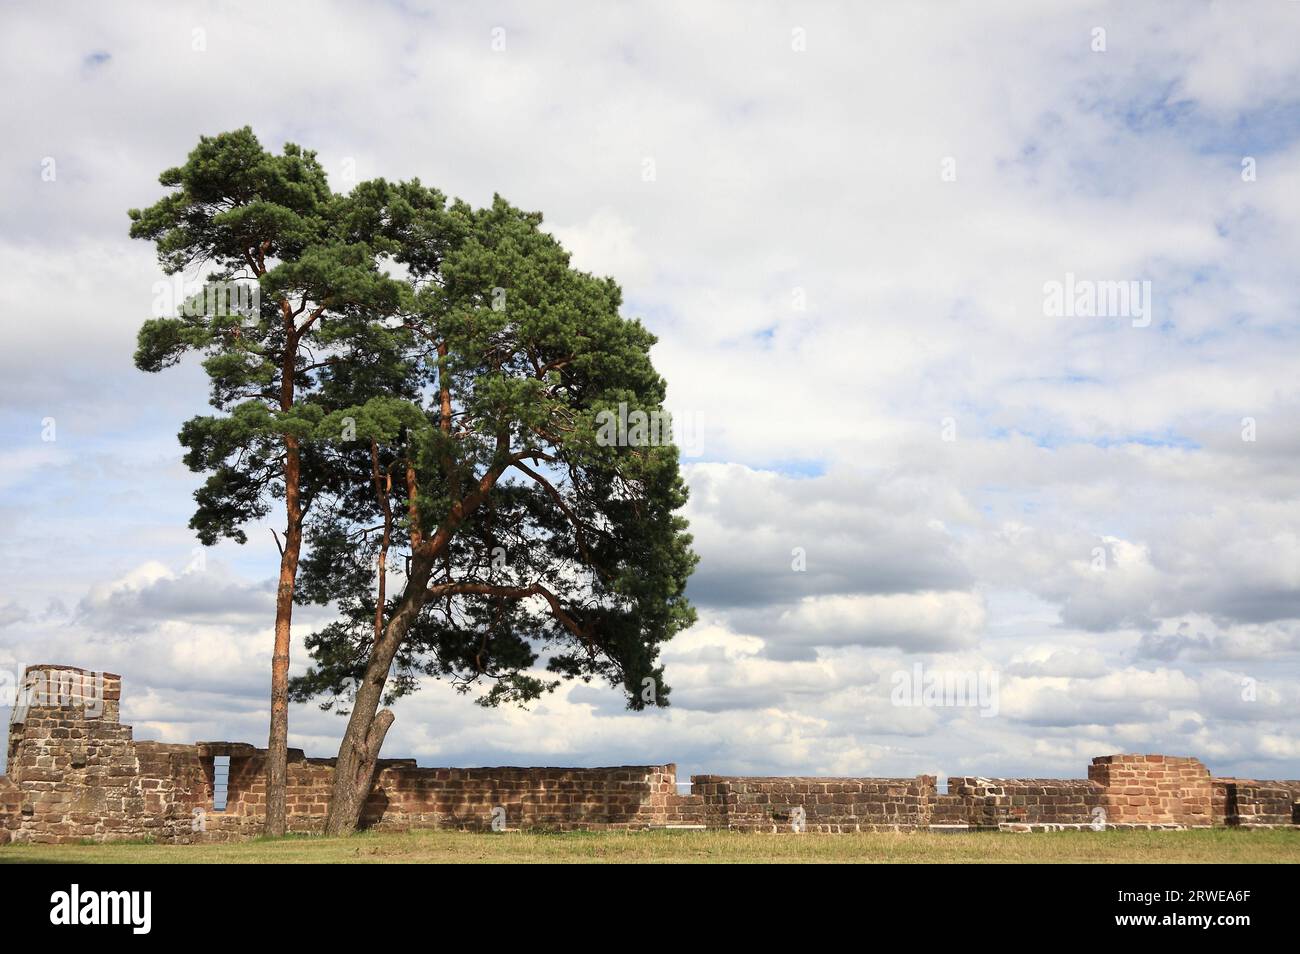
[[843, 249]]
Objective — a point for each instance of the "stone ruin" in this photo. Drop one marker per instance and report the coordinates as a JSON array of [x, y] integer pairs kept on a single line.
[[76, 773]]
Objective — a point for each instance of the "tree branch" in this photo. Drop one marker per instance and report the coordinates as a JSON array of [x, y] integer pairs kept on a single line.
[[558, 611], [311, 318], [568, 512]]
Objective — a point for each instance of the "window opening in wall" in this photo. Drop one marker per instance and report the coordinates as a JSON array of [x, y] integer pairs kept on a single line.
[[220, 782]]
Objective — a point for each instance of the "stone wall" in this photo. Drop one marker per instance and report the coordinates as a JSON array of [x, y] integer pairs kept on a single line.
[[1021, 803], [1154, 790], [74, 765], [76, 773], [1250, 803], [407, 796], [827, 804], [11, 803]]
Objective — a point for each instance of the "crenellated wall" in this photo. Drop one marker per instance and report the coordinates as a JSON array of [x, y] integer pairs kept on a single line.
[[407, 796], [76, 773], [1021, 802], [1250, 803], [814, 803]]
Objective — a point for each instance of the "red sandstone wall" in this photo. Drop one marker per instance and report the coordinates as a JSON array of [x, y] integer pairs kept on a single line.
[[74, 766], [75, 772], [406, 796], [990, 802], [1154, 790], [829, 804], [1248, 803], [10, 807]]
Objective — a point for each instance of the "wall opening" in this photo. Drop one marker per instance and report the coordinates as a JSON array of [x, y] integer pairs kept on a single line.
[[220, 782]]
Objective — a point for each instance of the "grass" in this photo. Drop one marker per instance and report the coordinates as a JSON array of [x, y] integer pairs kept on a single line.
[[1205, 845]]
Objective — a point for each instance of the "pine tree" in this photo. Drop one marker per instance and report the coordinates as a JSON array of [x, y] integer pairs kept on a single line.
[[304, 264], [517, 524]]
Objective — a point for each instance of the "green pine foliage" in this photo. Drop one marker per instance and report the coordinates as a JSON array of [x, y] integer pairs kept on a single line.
[[554, 549]]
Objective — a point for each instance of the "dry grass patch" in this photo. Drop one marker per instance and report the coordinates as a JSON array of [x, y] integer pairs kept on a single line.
[[1205, 845]]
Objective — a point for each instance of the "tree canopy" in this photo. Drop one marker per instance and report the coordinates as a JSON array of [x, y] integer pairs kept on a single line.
[[572, 548]]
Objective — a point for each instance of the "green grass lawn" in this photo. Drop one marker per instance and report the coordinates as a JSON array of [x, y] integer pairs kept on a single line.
[[1206, 845]]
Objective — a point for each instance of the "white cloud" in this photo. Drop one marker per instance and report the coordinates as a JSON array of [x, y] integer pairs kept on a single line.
[[781, 179]]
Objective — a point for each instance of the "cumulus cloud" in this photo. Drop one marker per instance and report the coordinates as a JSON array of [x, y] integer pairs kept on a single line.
[[914, 621], [1043, 661], [152, 594], [769, 538]]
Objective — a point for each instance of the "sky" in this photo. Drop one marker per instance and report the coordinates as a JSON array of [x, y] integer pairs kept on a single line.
[[845, 224]]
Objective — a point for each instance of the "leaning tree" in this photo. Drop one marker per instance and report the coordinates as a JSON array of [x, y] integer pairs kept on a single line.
[[311, 338], [527, 535]]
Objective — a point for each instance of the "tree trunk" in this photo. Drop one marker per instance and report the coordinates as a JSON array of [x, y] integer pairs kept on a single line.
[[349, 800], [360, 745], [277, 746], [355, 768]]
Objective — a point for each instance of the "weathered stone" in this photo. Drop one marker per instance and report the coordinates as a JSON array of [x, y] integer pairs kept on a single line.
[[76, 773]]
